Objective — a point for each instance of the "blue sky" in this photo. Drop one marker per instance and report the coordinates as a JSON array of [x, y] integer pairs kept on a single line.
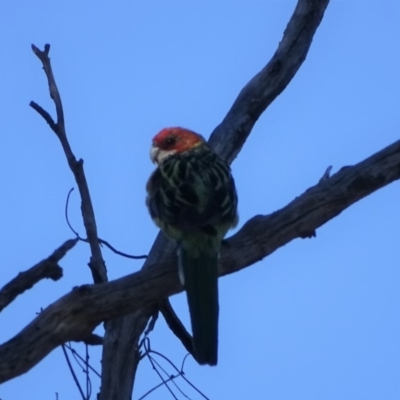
[[319, 318]]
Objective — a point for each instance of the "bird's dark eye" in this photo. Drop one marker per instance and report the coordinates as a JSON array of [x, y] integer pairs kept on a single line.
[[170, 141]]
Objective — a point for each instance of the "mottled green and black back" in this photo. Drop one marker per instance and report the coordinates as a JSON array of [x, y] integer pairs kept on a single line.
[[193, 193]]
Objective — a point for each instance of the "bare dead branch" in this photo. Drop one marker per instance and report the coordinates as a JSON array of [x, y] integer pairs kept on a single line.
[[96, 263], [45, 115], [74, 316], [47, 268], [176, 326], [227, 139], [54, 93]]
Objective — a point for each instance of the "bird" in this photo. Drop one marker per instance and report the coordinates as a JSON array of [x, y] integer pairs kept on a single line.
[[191, 197]]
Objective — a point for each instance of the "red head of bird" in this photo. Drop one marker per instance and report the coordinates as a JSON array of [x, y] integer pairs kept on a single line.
[[171, 141]]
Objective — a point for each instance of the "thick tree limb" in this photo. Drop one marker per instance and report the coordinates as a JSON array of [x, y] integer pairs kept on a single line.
[[227, 139], [74, 316], [47, 268], [96, 264]]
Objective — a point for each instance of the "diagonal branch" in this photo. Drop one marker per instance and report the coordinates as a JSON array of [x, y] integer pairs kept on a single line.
[[74, 316], [229, 137], [47, 268], [96, 264], [176, 326]]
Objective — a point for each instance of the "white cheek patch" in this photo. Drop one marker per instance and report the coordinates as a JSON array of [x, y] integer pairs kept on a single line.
[[163, 154]]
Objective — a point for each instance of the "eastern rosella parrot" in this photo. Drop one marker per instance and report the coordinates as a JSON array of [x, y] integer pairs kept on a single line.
[[191, 196]]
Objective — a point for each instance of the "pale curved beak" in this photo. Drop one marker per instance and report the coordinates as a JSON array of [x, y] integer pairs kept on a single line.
[[154, 150]]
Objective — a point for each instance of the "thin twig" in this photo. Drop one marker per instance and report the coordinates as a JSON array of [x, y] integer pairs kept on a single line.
[[74, 352], [183, 362], [84, 366], [121, 253], [101, 241], [71, 369], [46, 116], [181, 373], [171, 378], [166, 373], [146, 344], [165, 382], [67, 216], [87, 372]]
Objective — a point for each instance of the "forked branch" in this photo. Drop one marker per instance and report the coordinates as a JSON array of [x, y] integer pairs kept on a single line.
[[96, 264]]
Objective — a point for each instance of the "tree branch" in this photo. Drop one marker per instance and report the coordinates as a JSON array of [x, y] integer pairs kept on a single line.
[[96, 264], [227, 139], [177, 327], [47, 268], [74, 316]]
